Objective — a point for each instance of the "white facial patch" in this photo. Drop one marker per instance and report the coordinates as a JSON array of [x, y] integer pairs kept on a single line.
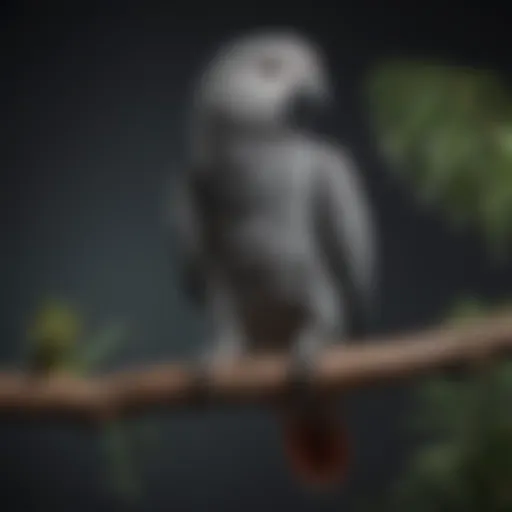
[[253, 80]]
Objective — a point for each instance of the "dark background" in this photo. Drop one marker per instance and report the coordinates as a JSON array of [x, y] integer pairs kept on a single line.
[[94, 103]]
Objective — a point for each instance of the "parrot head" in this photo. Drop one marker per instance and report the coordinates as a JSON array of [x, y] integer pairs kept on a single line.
[[266, 80]]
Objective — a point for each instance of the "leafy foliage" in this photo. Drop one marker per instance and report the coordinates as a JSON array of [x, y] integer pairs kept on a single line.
[[449, 130], [466, 464], [59, 342]]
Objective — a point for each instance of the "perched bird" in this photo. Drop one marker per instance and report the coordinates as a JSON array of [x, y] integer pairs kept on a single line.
[[274, 227]]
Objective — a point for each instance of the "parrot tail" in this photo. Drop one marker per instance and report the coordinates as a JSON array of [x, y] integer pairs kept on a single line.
[[316, 447]]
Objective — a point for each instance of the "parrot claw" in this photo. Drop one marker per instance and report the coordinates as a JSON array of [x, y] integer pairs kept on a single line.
[[221, 355], [302, 366], [203, 374]]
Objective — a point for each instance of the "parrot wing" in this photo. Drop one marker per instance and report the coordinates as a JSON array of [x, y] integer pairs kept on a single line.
[[346, 234]]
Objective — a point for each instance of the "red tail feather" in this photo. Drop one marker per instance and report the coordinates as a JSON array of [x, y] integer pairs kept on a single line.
[[317, 448]]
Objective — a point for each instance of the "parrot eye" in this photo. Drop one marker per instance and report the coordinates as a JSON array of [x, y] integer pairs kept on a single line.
[[270, 66]]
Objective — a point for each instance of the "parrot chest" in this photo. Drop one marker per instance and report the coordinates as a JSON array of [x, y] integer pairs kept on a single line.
[[257, 226]]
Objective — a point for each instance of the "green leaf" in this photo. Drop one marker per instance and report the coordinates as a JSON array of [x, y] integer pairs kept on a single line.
[[466, 462], [120, 466], [101, 347], [448, 129]]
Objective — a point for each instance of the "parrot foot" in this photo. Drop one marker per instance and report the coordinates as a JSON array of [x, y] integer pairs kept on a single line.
[[302, 366], [219, 355]]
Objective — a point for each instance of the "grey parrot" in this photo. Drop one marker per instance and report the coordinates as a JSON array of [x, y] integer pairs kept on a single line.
[[275, 232]]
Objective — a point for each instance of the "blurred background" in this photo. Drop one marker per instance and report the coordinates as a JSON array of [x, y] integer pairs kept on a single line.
[[94, 103]]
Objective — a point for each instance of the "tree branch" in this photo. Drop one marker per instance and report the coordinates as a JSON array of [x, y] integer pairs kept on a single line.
[[262, 379]]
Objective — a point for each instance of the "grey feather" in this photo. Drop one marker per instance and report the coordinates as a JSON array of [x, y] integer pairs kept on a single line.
[[347, 232]]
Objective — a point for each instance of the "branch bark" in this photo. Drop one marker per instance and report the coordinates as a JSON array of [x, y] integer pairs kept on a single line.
[[257, 380]]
